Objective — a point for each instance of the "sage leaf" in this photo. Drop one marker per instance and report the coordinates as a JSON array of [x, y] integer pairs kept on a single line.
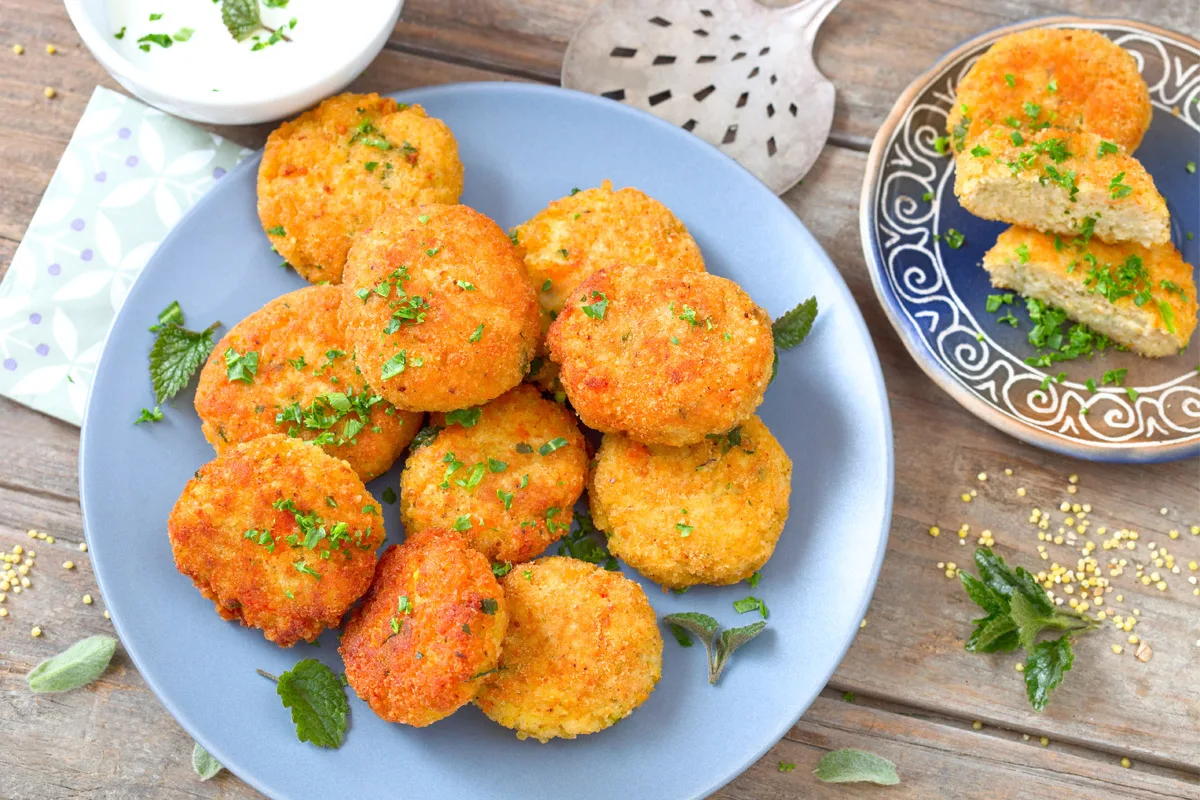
[[78, 665], [856, 766], [205, 765], [241, 18], [702, 625], [1045, 668], [318, 702], [728, 642]]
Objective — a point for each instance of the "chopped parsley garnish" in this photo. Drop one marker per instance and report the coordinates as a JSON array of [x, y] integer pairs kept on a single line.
[[467, 417], [148, 415], [500, 570], [942, 145], [1023, 253], [546, 284], [389, 495], [1017, 138], [395, 365], [585, 545], [1010, 79], [927, 196], [276, 231], [302, 566], [476, 335], [466, 286], [473, 478], [298, 363], [463, 523], [433, 251], [489, 606], [753, 580], [496, 466], [1114, 377], [1064, 179], [425, 437], [979, 151], [1047, 335], [241, 366], [505, 497], [1116, 189], [994, 301], [596, 309], [1191, 167], [370, 166], [326, 410], [121, 33], [183, 34], [750, 603], [1106, 148], [523, 448], [262, 537], [684, 530], [1032, 110], [552, 445], [954, 239], [1052, 86], [959, 131], [155, 17]]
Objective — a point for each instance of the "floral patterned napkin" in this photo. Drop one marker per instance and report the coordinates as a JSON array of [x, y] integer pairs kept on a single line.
[[128, 175]]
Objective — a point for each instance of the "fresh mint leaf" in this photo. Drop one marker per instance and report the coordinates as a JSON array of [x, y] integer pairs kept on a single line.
[[78, 665], [318, 702], [205, 765], [1045, 668], [241, 18], [175, 357], [856, 766], [792, 328], [981, 594], [994, 634]]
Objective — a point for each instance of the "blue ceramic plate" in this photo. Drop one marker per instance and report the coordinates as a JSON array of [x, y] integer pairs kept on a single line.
[[936, 296], [522, 147]]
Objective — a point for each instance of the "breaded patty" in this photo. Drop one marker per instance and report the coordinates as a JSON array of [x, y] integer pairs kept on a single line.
[[438, 309], [1141, 297], [707, 513], [1056, 181], [331, 172], [594, 228], [304, 383], [428, 633], [665, 356], [582, 651], [1076, 79], [279, 535], [509, 481]]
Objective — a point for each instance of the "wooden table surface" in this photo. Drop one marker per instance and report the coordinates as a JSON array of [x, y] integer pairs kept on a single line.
[[917, 692]]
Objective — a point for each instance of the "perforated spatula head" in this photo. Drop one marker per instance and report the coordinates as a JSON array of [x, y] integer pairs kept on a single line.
[[737, 74]]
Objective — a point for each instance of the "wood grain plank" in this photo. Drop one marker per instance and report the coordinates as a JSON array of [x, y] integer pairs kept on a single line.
[[870, 49]]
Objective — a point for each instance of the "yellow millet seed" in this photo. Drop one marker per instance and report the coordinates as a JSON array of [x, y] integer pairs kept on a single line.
[[83, 547], [977, 725], [982, 476], [1044, 741], [49, 92], [51, 49], [18, 49], [35, 631], [87, 599], [935, 531], [68, 565], [1020, 491], [1126, 763]]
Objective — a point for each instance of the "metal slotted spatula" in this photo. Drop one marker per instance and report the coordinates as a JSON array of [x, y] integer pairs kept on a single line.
[[736, 73]]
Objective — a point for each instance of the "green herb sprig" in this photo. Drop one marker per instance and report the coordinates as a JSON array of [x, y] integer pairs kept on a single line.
[[317, 700], [204, 764], [719, 644], [78, 665], [1018, 611], [584, 543], [856, 766], [177, 353]]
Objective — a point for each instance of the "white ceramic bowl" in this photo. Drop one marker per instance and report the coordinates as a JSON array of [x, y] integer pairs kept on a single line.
[[283, 98]]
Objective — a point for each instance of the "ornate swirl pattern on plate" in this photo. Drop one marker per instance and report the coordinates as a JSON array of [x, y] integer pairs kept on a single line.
[[936, 294]]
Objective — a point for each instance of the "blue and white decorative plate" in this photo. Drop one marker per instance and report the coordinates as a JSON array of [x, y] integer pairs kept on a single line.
[[936, 296]]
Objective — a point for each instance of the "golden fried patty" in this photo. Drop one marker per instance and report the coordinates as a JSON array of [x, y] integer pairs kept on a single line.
[[1073, 79], [1140, 297], [1061, 182], [286, 368], [279, 535], [438, 308], [329, 173], [509, 479], [663, 355], [429, 631], [582, 651], [594, 228], [707, 513]]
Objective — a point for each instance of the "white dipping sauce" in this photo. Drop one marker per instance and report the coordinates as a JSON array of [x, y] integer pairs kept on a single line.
[[209, 59]]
